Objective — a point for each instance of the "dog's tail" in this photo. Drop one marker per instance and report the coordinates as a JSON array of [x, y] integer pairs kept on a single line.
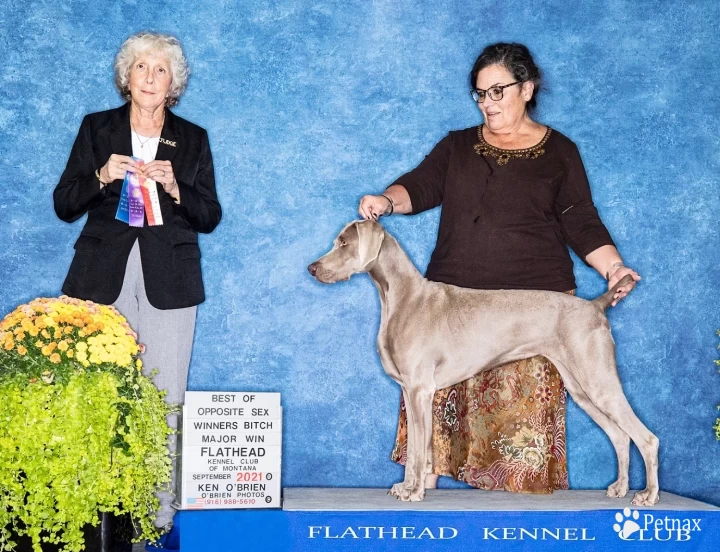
[[606, 299]]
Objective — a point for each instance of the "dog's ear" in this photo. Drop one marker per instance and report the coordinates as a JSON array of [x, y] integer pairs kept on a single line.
[[370, 238]]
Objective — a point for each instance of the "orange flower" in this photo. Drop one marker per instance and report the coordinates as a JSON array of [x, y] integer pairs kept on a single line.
[[22, 351], [20, 336], [67, 330], [70, 353], [45, 334], [9, 345], [57, 334], [55, 358], [34, 331], [63, 346]]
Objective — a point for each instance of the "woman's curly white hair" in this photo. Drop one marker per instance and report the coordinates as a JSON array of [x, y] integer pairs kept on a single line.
[[159, 45]]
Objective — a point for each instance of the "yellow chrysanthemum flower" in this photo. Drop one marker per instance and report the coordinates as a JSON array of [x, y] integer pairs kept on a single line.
[[68, 328]]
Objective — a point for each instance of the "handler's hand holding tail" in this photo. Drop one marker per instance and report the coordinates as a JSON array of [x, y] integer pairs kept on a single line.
[[616, 276]]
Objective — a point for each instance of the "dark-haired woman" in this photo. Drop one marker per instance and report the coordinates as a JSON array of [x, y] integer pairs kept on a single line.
[[514, 195]]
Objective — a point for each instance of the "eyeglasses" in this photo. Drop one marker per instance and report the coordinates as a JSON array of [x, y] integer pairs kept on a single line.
[[495, 92]]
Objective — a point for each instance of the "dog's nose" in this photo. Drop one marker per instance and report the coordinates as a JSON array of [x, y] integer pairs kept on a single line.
[[313, 268]]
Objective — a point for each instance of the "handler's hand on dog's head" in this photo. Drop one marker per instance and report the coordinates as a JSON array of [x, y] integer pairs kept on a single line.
[[624, 290], [372, 207]]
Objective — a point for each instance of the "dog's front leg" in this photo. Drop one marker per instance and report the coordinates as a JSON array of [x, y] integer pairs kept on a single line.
[[418, 408], [402, 489]]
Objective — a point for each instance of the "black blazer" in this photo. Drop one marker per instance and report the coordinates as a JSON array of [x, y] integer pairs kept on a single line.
[[170, 254]]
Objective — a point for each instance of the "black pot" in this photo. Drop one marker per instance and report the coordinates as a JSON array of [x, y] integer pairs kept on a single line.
[[113, 534]]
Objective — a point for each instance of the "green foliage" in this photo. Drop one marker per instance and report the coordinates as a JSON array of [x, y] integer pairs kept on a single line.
[[76, 440]]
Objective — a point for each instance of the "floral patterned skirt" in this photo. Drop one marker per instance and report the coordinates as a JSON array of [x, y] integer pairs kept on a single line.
[[501, 429]]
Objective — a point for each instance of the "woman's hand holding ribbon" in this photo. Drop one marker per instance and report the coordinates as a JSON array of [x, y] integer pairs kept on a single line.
[[162, 173], [116, 166]]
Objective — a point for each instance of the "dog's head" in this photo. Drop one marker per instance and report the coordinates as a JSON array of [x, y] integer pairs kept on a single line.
[[355, 250]]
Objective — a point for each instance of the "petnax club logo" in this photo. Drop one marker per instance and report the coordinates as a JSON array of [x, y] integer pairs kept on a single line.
[[632, 525]]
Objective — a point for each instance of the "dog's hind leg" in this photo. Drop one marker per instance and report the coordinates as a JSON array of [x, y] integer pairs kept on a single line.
[[613, 402], [601, 383], [619, 439]]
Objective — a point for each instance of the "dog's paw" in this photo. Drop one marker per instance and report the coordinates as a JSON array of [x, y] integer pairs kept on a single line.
[[407, 492], [618, 489], [412, 494], [647, 497], [398, 489]]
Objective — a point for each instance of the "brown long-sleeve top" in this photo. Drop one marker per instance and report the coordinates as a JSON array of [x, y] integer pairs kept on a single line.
[[506, 223]]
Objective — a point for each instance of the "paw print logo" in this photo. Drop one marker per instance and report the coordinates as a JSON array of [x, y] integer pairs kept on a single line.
[[626, 523]]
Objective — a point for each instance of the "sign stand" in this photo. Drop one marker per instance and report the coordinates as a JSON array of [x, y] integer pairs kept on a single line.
[[231, 450]]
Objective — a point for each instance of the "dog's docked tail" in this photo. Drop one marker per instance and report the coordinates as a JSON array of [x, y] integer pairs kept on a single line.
[[606, 299]]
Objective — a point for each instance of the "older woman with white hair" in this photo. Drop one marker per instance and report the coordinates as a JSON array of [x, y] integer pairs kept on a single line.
[[149, 270]]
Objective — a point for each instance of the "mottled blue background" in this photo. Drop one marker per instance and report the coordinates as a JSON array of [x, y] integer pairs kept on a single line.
[[311, 104]]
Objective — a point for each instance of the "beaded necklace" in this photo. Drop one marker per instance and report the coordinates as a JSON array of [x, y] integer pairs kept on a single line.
[[503, 156]]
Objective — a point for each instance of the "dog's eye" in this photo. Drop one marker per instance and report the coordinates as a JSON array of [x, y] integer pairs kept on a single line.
[[343, 243]]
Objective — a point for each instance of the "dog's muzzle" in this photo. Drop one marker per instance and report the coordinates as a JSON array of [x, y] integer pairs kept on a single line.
[[323, 275], [316, 269]]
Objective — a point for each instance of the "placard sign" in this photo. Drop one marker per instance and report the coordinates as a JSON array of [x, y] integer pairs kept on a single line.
[[231, 450]]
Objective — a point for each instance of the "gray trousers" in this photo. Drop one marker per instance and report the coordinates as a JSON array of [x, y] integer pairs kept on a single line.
[[168, 337]]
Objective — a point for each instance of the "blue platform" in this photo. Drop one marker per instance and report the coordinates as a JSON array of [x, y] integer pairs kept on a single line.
[[369, 520]]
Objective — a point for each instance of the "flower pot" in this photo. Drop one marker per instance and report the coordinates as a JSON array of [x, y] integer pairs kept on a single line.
[[112, 534]]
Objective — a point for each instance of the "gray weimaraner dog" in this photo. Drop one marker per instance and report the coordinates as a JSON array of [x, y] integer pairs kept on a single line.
[[433, 335]]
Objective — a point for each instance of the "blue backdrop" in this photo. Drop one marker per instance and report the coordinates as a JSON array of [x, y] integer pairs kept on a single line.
[[311, 104]]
